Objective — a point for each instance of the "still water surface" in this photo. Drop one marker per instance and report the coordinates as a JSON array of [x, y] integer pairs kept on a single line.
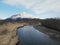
[[28, 35]]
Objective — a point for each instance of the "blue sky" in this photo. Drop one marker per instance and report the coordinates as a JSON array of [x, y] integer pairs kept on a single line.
[[7, 10], [36, 8]]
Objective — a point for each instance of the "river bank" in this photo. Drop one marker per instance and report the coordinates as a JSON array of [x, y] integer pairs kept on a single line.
[[50, 32], [8, 33]]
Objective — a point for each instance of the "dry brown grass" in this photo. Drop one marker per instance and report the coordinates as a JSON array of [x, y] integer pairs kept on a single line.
[[8, 33]]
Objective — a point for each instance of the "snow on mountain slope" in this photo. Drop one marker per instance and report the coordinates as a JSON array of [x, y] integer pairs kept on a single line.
[[22, 15]]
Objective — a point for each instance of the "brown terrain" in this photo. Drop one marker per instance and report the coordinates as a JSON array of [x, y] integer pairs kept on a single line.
[[8, 33], [8, 30]]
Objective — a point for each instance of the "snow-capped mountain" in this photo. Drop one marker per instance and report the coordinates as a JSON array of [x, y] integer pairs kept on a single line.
[[18, 17], [22, 15]]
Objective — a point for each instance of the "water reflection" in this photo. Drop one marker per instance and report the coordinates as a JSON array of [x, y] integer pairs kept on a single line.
[[30, 36]]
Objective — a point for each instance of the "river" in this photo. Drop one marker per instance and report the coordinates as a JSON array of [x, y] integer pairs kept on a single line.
[[28, 35]]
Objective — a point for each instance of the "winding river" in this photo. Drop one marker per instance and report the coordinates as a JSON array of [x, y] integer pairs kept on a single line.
[[28, 35]]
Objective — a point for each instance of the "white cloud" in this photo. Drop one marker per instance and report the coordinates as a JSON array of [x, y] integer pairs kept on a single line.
[[26, 15], [38, 6]]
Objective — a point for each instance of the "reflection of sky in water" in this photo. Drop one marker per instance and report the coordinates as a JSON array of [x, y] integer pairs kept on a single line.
[[30, 36]]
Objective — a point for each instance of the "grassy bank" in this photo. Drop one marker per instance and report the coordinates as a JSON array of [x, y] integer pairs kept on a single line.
[[51, 23]]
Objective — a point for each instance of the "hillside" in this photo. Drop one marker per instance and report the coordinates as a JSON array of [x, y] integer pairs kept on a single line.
[[51, 23]]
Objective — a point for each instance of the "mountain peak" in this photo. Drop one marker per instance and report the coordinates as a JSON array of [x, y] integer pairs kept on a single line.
[[22, 15], [19, 17]]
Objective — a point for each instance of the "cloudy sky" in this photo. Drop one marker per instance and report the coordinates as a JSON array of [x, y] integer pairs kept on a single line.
[[36, 8]]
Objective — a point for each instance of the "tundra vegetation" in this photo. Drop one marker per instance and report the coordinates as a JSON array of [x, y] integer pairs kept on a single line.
[[8, 30]]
